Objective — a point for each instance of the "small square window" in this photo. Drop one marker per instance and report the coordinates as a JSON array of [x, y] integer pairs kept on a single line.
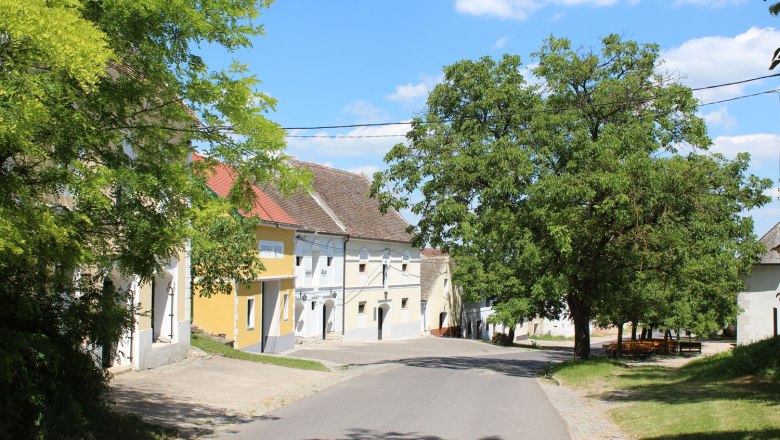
[[404, 267], [362, 307], [362, 267], [404, 302], [298, 260], [330, 261]]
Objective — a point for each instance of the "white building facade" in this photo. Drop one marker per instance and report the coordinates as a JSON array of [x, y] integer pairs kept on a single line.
[[760, 302]]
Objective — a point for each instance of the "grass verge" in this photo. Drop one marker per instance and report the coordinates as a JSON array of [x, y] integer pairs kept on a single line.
[[551, 338], [732, 395], [209, 345]]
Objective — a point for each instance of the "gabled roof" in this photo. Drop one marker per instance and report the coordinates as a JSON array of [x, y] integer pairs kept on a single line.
[[263, 206], [347, 196], [433, 263], [308, 209], [772, 242]]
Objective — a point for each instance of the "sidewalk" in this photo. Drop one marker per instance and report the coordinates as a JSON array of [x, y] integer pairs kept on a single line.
[[202, 395]]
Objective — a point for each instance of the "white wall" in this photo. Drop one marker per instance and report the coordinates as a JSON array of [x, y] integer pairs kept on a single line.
[[318, 282], [756, 320]]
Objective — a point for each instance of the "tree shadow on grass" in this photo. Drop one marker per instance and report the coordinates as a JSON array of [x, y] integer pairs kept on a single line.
[[189, 418], [761, 434]]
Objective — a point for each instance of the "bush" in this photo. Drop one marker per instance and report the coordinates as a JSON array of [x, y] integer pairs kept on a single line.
[[502, 340]]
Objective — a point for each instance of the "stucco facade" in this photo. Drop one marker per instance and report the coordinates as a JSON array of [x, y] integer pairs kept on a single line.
[[382, 283], [161, 333], [258, 316], [759, 304], [440, 307], [319, 285]]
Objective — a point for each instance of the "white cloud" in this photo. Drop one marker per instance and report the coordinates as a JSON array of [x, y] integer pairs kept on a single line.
[[368, 170], [711, 3], [409, 92], [720, 59], [500, 43], [366, 112], [328, 144], [720, 117], [517, 9], [761, 146], [556, 17]]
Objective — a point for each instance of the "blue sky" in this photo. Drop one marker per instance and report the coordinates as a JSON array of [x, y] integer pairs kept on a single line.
[[366, 61]]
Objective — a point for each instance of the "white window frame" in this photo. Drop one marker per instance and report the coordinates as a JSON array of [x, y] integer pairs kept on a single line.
[[286, 307], [250, 313]]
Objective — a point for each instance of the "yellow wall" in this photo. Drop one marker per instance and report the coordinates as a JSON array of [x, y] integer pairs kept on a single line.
[[246, 336], [287, 326], [275, 267], [215, 314]]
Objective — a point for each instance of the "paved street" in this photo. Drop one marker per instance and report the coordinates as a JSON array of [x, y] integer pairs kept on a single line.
[[421, 389]]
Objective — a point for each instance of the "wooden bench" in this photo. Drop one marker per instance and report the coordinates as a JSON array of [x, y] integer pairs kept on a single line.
[[690, 346], [643, 347]]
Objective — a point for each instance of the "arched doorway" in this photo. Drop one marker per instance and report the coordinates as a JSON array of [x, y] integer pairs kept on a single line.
[[327, 317], [382, 313]]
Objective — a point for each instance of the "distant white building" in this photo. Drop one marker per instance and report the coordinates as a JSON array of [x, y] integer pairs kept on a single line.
[[759, 303]]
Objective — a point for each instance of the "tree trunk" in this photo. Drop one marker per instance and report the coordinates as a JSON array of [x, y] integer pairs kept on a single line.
[[580, 314], [634, 325], [512, 335], [620, 340]]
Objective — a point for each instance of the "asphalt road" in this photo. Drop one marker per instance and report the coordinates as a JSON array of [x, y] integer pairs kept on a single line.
[[471, 394]]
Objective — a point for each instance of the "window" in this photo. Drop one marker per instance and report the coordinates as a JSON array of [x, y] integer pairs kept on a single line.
[[404, 267], [384, 274], [286, 312], [362, 308], [445, 283], [362, 267], [403, 302], [298, 260], [313, 305], [250, 313], [330, 261], [405, 262]]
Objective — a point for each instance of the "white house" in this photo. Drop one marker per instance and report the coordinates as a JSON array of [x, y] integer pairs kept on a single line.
[[380, 296], [759, 303], [440, 301]]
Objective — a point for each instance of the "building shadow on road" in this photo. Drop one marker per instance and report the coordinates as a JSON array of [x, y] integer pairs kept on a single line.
[[191, 419]]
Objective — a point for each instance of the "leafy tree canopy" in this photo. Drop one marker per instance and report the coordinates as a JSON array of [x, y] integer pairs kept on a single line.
[[101, 104], [573, 192]]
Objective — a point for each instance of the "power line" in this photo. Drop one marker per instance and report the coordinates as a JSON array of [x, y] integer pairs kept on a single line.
[[558, 110], [696, 89]]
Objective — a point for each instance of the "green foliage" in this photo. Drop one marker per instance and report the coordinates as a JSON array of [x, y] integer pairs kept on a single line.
[[774, 8], [101, 105], [572, 194], [209, 345]]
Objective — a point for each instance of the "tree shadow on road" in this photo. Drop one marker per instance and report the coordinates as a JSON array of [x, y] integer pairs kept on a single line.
[[370, 434], [509, 367], [760, 434], [191, 419]]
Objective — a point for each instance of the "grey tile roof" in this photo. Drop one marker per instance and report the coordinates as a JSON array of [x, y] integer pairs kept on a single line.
[[308, 209], [430, 269], [346, 195], [772, 242]]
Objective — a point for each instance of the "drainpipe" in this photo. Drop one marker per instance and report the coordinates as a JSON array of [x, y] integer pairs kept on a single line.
[[344, 290]]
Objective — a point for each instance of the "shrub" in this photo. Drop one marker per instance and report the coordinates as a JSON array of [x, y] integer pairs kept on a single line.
[[502, 340]]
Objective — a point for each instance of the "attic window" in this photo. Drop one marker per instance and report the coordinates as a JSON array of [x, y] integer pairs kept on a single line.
[[298, 260], [404, 267], [330, 261], [362, 267]]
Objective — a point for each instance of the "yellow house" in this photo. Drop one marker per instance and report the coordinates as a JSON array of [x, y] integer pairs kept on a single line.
[[258, 317]]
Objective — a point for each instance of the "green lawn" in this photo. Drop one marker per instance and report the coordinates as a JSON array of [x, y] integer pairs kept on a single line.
[[209, 345], [733, 395], [551, 338]]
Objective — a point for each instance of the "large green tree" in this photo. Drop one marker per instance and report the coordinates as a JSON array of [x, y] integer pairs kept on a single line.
[[573, 191], [101, 104]]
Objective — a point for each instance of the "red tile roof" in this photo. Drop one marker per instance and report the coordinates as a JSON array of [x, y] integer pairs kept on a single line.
[[221, 181]]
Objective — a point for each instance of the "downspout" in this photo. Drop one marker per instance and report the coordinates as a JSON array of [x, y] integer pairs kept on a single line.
[[344, 290]]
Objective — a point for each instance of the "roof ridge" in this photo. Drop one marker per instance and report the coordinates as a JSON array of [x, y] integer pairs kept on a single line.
[[325, 167]]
